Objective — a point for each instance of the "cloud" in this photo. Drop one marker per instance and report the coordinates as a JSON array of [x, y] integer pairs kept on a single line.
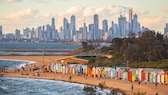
[[165, 10], [154, 23], [10, 1], [32, 18], [26, 13], [41, 1], [141, 12]]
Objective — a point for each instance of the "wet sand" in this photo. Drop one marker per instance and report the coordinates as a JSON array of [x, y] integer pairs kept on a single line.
[[149, 88]]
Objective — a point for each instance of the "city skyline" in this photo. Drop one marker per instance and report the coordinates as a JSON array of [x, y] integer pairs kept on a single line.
[[36, 13]]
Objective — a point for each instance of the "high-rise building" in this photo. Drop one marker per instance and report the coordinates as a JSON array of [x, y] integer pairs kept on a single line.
[[130, 19], [166, 28], [166, 31], [73, 27], [66, 30], [122, 22], [104, 26], [33, 34], [96, 21], [26, 33], [91, 32], [135, 25], [96, 26], [53, 22], [40, 35], [0, 32], [17, 34], [84, 34]]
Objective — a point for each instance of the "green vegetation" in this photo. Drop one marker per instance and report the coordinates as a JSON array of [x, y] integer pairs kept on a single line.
[[149, 50], [89, 90]]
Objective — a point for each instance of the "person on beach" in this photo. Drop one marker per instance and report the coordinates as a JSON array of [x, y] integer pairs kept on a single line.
[[132, 87], [156, 84], [70, 77]]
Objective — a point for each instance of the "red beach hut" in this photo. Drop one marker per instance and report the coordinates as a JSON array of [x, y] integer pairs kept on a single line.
[[129, 75]]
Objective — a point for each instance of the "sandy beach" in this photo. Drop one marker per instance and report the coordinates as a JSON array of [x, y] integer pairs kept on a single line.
[[149, 88]]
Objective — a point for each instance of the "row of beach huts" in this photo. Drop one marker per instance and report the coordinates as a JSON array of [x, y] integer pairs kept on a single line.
[[123, 73]]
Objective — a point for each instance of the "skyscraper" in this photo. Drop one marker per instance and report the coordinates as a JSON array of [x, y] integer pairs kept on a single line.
[[73, 26], [17, 34], [66, 30], [91, 32], [166, 28], [53, 22], [0, 32], [84, 34], [96, 21], [130, 19], [73, 22], [105, 25], [122, 26], [96, 27]]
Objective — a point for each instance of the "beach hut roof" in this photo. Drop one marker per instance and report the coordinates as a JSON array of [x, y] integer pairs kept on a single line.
[[158, 70], [122, 68]]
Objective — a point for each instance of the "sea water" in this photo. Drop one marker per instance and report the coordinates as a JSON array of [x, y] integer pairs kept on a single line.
[[26, 86], [21, 45]]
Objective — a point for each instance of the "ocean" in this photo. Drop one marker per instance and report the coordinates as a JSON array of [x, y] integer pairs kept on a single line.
[[27, 86], [22, 45]]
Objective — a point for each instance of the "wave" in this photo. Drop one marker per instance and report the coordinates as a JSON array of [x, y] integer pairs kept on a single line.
[[27, 86], [15, 64]]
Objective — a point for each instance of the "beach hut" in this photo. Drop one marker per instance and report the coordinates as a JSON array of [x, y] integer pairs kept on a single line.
[[140, 74], [97, 71], [125, 75], [148, 72], [80, 70], [73, 69], [84, 69], [66, 69], [166, 77], [153, 77], [69, 69], [58, 68], [163, 77], [113, 72], [130, 75], [120, 71], [89, 71], [94, 71], [143, 75], [107, 71], [63, 69], [134, 74], [159, 73], [102, 72]]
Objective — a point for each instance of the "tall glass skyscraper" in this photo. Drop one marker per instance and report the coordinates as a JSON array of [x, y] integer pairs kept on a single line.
[[73, 26], [0, 31], [130, 20], [96, 21], [96, 26]]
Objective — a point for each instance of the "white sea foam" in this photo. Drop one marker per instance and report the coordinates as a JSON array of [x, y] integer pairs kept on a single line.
[[29, 86], [23, 62]]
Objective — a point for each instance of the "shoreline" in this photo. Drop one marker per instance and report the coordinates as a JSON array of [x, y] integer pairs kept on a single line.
[[150, 89]]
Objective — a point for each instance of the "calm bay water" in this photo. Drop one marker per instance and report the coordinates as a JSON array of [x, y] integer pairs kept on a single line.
[[36, 46]]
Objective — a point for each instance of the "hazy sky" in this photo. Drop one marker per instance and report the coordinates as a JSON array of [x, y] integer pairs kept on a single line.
[[19, 14]]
